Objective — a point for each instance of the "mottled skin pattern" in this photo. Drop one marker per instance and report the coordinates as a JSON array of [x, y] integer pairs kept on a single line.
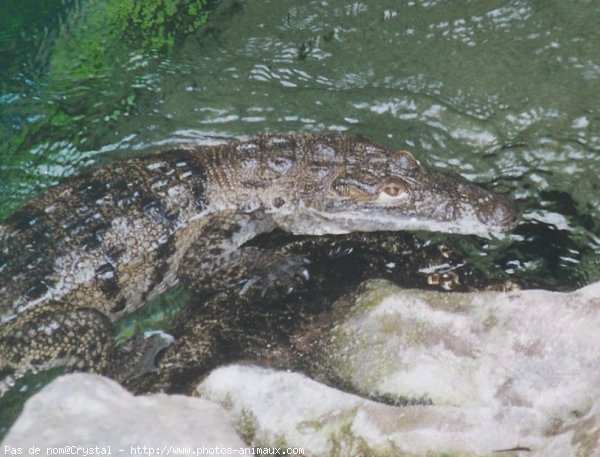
[[99, 245]]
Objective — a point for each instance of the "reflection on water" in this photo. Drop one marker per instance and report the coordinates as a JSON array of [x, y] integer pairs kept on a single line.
[[504, 93]]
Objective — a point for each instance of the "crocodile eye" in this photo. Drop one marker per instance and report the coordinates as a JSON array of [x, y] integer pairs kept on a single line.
[[393, 190]]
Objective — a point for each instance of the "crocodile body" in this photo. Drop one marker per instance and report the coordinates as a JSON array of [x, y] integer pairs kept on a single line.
[[99, 245]]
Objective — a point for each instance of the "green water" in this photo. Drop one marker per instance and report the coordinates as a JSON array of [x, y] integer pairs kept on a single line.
[[506, 93]]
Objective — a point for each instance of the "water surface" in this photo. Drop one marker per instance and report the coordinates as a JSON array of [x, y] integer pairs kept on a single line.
[[503, 93]]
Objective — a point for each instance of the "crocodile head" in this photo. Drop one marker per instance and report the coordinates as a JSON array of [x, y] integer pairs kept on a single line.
[[372, 189]]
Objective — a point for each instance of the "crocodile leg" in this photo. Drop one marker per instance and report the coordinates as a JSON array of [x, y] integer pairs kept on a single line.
[[195, 351], [222, 328], [256, 274], [78, 338], [218, 260], [205, 333], [241, 277]]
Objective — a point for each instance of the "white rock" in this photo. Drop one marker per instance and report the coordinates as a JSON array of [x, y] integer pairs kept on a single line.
[[518, 370], [88, 410], [295, 411], [534, 349]]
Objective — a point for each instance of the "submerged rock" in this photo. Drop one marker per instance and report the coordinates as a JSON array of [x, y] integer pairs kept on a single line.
[[96, 414]]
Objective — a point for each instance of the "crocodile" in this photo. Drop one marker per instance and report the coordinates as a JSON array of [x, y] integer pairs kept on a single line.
[[100, 244]]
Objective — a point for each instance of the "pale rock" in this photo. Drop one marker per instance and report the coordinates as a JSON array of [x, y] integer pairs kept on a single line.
[[85, 410], [494, 371]]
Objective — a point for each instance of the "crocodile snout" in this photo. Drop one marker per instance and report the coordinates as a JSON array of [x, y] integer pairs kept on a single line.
[[499, 212]]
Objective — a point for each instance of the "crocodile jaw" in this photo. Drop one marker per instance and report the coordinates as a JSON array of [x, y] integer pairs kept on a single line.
[[488, 216], [319, 223]]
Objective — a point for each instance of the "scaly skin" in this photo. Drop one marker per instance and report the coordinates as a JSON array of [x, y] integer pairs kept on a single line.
[[99, 245]]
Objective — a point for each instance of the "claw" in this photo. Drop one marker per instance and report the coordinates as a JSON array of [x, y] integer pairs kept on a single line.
[[247, 285]]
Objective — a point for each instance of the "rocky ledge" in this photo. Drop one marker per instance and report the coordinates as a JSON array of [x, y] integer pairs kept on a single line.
[[432, 374]]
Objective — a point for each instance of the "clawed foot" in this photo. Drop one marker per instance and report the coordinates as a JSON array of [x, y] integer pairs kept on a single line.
[[138, 356], [277, 276]]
